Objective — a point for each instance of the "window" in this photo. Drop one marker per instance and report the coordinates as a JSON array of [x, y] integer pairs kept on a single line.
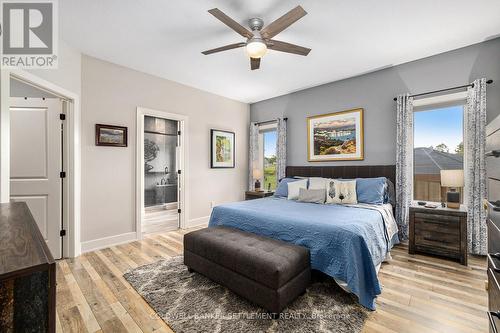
[[269, 138], [438, 145]]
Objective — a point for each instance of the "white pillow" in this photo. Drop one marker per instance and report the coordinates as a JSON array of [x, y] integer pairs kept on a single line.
[[341, 192], [317, 183], [294, 188]]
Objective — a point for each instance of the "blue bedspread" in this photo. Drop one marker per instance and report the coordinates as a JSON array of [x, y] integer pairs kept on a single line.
[[345, 242]]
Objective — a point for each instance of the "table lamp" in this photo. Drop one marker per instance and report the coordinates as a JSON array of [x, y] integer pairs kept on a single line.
[[452, 179], [257, 174]]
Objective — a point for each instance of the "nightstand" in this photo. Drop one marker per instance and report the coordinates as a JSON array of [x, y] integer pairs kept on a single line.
[[250, 195], [439, 231]]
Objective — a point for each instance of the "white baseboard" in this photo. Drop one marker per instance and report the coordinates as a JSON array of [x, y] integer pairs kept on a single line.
[[101, 243], [197, 222]]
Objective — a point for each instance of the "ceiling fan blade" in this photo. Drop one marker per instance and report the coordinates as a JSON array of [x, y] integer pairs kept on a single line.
[[276, 45], [224, 48], [231, 23], [254, 63], [283, 22]]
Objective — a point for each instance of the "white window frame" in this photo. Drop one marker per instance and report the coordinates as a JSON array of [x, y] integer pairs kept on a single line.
[[262, 129], [437, 102]]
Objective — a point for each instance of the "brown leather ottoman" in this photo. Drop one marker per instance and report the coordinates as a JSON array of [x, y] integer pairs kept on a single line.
[[267, 272]]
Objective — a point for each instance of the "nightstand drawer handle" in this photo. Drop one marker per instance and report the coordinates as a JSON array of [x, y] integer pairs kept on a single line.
[[492, 314], [438, 240], [490, 259], [434, 222]]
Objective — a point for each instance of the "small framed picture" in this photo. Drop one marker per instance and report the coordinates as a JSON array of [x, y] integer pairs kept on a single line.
[[111, 136], [221, 149]]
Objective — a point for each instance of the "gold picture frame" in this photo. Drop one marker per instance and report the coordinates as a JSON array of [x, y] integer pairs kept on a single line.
[[337, 136]]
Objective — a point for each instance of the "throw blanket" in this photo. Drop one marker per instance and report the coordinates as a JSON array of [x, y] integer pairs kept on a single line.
[[346, 242]]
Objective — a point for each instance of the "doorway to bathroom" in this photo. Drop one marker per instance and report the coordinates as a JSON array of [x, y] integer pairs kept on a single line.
[[161, 142], [160, 171]]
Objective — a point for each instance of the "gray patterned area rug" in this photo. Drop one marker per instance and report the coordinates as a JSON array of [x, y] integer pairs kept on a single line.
[[189, 302]]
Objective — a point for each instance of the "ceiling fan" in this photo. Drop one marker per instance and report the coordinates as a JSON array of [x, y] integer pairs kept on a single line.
[[259, 39]]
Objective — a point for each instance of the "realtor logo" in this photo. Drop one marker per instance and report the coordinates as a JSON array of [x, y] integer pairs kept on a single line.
[[29, 34]]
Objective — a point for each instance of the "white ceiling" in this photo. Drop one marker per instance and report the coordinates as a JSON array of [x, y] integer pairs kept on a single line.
[[165, 38]]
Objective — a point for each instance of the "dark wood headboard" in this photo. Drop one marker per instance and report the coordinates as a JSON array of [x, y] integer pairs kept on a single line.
[[348, 171]]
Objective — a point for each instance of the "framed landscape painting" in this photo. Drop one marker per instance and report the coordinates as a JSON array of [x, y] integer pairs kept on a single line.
[[335, 136], [222, 149], [111, 136]]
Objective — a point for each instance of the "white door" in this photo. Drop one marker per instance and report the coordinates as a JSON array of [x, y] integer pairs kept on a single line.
[[35, 163]]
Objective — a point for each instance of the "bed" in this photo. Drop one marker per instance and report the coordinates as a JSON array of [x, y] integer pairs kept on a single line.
[[347, 242]]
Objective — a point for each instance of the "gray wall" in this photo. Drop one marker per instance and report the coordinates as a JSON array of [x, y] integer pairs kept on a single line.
[[375, 92]]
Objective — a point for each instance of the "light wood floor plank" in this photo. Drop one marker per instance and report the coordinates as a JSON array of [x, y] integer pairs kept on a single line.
[[133, 307], [134, 254], [420, 293], [413, 289], [151, 251], [96, 300], [444, 290], [72, 321], [123, 258], [161, 246], [172, 242], [168, 245], [68, 281]]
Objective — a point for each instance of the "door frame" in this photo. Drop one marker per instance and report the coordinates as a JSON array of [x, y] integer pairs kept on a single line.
[[72, 187], [139, 176]]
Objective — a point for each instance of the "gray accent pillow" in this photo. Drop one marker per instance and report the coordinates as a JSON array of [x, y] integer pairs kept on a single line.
[[312, 196], [390, 193]]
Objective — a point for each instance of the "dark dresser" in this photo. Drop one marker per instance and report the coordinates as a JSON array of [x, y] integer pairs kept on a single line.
[[27, 273], [493, 222], [494, 268]]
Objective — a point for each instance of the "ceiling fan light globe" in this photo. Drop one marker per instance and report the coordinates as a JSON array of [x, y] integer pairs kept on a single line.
[[256, 49]]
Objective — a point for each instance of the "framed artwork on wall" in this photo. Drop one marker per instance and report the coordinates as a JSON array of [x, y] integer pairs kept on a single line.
[[221, 149], [111, 136], [335, 136]]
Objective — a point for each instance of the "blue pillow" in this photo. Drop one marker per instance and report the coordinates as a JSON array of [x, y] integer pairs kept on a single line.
[[282, 189], [371, 190]]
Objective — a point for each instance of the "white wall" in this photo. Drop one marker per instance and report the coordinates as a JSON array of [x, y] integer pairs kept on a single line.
[[68, 73], [110, 95]]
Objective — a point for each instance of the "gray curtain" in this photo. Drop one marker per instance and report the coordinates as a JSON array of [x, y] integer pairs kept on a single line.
[[253, 153], [475, 174], [280, 148], [404, 163]]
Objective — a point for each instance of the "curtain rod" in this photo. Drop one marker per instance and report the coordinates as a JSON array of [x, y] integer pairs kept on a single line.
[[268, 122], [441, 90]]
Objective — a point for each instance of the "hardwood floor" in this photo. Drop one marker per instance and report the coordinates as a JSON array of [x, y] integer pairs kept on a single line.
[[420, 293]]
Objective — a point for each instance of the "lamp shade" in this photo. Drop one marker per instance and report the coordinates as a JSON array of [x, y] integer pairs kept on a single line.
[[256, 48], [452, 178], [257, 173]]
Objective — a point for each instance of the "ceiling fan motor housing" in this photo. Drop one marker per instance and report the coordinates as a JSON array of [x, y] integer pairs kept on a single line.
[[255, 23]]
